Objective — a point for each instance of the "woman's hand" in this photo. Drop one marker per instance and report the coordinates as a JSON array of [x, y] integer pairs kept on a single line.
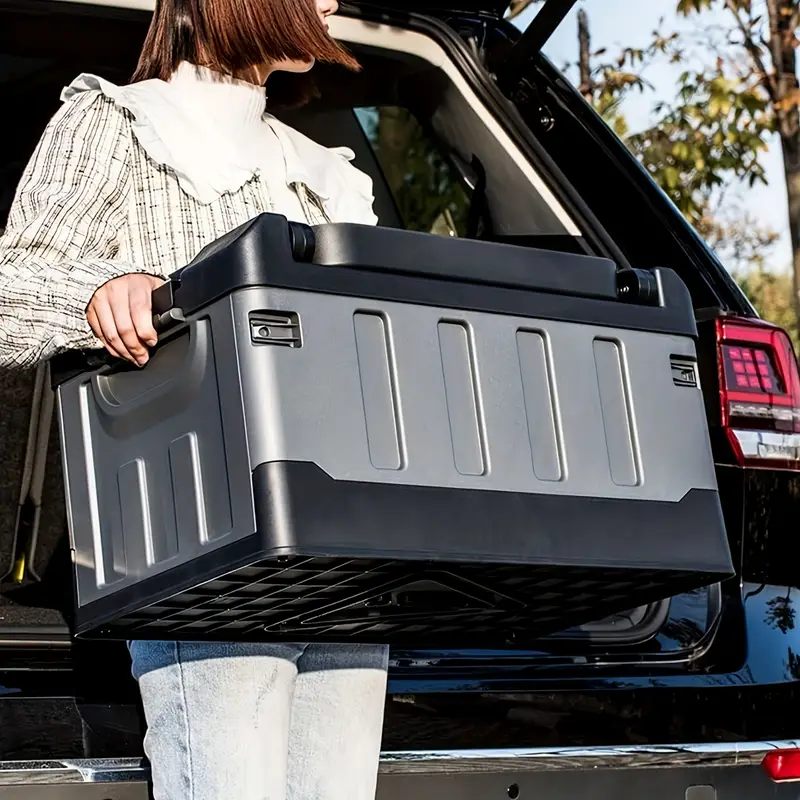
[[120, 316]]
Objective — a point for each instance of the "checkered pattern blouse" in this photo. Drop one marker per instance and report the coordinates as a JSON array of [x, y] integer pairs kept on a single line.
[[93, 205]]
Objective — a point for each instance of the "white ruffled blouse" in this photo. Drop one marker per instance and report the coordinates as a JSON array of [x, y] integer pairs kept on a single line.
[[214, 133], [140, 178]]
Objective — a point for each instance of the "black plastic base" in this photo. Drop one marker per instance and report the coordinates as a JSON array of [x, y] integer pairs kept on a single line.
[[420, 566], [360, 600]]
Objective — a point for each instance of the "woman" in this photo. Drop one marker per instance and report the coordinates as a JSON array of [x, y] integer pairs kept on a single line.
[[127, 184]]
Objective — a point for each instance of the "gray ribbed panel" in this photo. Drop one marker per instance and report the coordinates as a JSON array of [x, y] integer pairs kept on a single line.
[[615, 403], [187, 488], [137, 528], [378, 392], [461, 394], [112, 553], [459, 399], [539, 392]]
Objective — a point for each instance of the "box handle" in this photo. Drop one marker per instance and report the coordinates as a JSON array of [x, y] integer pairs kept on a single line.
[[126, 392]]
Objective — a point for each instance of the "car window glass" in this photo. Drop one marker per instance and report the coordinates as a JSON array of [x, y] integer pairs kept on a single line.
[[427, 189]]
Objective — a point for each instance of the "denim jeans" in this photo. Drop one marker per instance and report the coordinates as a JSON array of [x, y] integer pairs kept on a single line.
[[262, 721]]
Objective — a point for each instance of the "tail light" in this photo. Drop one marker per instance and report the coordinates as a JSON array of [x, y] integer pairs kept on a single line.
[[759, 393], [782, 765]]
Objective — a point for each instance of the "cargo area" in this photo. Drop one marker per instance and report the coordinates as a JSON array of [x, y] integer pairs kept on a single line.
[[35, 588], [403, 123]]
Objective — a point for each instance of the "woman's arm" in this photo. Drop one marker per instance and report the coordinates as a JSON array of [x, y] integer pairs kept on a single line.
[[63, 234]]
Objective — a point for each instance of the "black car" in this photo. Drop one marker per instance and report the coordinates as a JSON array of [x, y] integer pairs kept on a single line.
[[467, 130]]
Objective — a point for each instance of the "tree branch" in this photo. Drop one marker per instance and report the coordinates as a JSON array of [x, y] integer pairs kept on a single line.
[[516, 7], [753, 49], [586, 87], [794, 21]]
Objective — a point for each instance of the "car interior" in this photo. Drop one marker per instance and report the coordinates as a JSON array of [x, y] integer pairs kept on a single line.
[[439, 163], [436, 163]]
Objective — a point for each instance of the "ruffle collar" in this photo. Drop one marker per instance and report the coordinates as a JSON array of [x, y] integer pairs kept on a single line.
[[201, 126]]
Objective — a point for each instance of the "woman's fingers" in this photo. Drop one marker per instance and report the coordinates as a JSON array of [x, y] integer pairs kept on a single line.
[[108, 327], [128, 343], [141, 308], [120, 315], [94, 324]]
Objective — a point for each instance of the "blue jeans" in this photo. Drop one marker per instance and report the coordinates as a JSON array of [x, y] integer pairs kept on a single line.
[[262, 721]]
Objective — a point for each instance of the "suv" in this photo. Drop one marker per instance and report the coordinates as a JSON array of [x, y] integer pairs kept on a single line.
[[467, 130]]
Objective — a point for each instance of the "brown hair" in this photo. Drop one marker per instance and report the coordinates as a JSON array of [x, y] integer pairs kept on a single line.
[[229, 36]]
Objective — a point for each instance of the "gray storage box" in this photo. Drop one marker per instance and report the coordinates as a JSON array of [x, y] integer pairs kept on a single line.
[[352, 433]]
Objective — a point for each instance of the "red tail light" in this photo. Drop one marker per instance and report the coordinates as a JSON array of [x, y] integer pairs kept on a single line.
[[760, 393], [782, 765]]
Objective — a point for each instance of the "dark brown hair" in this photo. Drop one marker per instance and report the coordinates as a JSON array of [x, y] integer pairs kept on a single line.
[[229, 36]]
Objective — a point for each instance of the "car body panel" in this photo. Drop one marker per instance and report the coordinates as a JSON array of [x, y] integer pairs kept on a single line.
[[696, 772], [725, 677]]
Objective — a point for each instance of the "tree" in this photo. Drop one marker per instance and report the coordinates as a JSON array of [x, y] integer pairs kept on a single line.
[[709, 137], [771, 294], [738, 85], [761, 48]]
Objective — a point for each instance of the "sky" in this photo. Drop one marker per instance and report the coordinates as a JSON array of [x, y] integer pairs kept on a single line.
[[616, 23]]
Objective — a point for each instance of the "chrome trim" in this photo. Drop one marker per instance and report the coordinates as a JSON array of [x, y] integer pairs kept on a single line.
[[733, 754], [106, 770], [58, 639], [769, 445], [736, 754]]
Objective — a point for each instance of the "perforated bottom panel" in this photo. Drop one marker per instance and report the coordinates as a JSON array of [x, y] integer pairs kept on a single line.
[[383, 601]]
